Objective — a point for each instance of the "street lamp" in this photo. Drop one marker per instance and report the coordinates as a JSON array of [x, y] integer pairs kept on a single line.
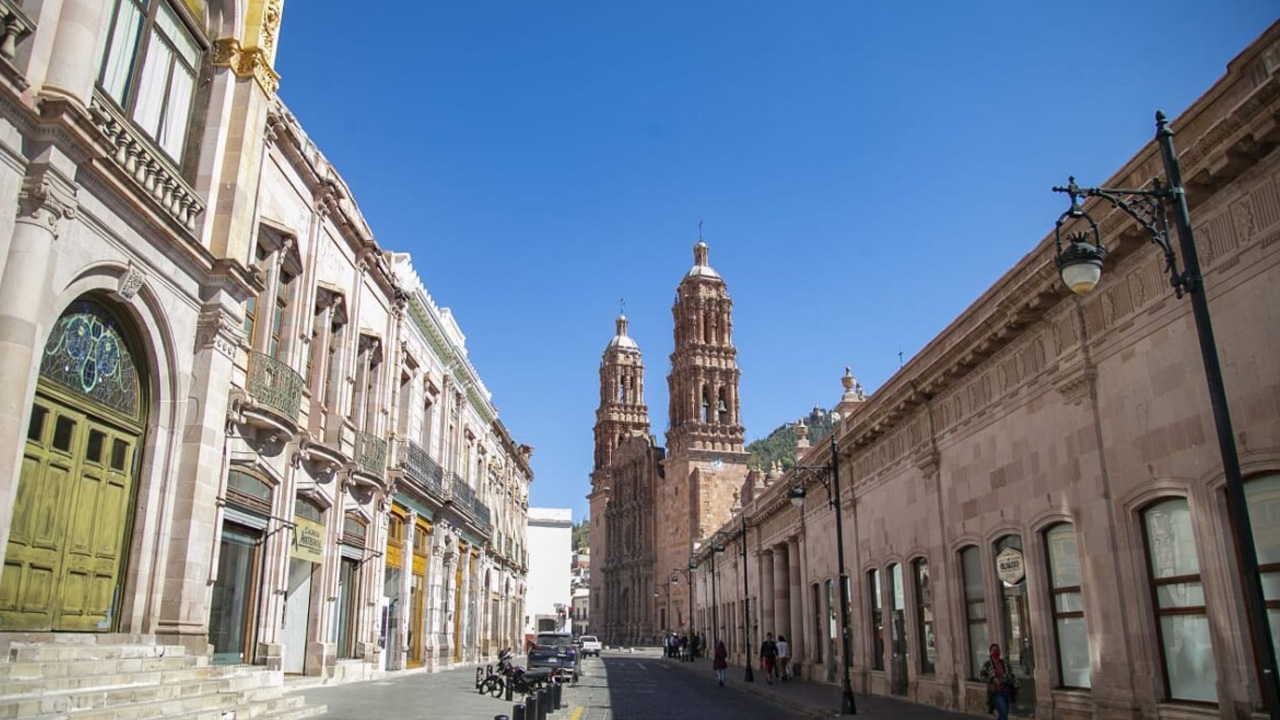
[[717, 548], [829, 476], [749, 675], [1080, 264], [675, 580]]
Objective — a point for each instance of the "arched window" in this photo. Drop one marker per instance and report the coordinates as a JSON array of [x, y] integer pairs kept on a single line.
[[88, 353], [152, 59], [877, 620], [1068, 606], [924, 615], [975, 608], [1186, 652], [1263, 496]]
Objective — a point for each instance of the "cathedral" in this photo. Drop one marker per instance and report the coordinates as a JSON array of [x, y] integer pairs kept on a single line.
[[650, 505]]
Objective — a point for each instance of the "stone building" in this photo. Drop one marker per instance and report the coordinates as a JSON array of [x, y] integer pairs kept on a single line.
[[1045, 473], [234, 420], [649, 504]]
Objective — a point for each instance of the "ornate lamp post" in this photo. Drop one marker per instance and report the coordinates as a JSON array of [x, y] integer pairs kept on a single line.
[[1080, 264], [749, 675], [829, 476]]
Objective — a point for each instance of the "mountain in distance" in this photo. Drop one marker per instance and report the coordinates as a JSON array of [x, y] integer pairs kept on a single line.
[[780, 445]]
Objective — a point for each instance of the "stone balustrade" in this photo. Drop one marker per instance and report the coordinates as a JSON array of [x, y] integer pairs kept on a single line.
[[150, 169], [15, 27]]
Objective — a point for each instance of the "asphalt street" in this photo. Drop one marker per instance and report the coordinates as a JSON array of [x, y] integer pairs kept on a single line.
[[619, 686]]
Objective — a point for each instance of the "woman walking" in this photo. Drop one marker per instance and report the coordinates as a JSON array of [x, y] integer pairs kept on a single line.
[[721, 661]]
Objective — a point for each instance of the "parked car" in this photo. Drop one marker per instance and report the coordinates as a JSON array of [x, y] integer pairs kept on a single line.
[[555, 650], [590, 645]]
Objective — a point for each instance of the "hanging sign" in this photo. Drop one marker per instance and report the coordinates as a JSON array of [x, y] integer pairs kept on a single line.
[[308, 540], [1009, 566]]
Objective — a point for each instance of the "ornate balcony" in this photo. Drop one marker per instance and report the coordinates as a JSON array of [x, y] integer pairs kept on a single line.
[[370, 454], [481, 511], [421, 469], [274, 385]]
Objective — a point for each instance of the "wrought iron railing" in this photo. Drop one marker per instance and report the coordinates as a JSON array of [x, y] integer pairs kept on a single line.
[[370, 453], [481, 512], [420, 467], [275, 385], [462, 496]]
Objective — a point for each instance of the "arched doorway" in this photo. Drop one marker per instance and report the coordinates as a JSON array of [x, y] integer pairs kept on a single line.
[[64, 562]]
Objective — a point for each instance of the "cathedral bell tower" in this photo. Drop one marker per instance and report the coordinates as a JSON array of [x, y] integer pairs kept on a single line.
[[706, 462], [622, 414]]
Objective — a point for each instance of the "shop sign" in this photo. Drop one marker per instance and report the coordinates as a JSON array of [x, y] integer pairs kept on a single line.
[[308, 540], [1009, 566]]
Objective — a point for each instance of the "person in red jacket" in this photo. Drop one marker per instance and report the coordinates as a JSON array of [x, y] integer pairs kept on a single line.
[[721, 661]]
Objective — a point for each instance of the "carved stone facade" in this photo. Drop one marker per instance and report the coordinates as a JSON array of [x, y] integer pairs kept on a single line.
[[1045, 474], [274, 436]]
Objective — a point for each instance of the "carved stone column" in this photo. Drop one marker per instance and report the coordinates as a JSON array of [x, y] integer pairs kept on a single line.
[[46, 200], [75, 55], [781, 592], [795, 583], [766, 620], [197, 481]]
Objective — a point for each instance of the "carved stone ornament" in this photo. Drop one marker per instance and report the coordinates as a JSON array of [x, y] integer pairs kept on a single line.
[[130, 282], [218, 330], [1075, 385], [246, 62], [271, 26], [45, 201]]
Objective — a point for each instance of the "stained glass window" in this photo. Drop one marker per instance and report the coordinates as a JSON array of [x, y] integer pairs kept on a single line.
[[87, 353]]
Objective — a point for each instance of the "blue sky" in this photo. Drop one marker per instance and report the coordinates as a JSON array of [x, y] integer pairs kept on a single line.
[[864, 171]]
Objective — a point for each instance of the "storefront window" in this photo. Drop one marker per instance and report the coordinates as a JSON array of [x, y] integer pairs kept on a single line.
[[898, 629], [231, 607], [1178, 596], [1018, 648]]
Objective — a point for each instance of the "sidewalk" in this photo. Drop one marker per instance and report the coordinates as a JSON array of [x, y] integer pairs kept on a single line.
[[819, 700]]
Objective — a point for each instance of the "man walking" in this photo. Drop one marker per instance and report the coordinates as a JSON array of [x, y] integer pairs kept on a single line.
[[768, 654]]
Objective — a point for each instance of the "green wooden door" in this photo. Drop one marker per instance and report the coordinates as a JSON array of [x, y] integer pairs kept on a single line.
[[66, 549]]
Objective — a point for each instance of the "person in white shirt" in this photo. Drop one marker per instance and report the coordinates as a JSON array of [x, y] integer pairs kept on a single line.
[[784, 657]]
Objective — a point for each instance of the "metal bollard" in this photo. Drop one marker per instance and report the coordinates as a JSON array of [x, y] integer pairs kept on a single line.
[[557, 691], [517, 712], [479, 676], [531, 707], [509, 682], [501, 717], [544, 703]]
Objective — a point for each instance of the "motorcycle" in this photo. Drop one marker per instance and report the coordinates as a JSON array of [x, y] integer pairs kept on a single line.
[[507, 673]]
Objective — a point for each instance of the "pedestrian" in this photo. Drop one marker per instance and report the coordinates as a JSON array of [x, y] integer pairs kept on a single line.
[[768, 653], [1002, 684], [784, 657], [721, 661]]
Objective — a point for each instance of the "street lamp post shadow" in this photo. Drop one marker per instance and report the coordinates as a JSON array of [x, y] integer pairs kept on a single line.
[[1080, 264], [829, 476]]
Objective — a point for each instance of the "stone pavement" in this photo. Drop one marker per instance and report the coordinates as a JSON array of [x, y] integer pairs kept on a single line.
[[820, 700]]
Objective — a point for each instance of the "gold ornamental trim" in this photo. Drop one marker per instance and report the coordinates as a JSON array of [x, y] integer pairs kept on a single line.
[[246, 62]]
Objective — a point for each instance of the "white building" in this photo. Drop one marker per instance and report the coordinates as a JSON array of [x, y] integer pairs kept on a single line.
[[550, 577]]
